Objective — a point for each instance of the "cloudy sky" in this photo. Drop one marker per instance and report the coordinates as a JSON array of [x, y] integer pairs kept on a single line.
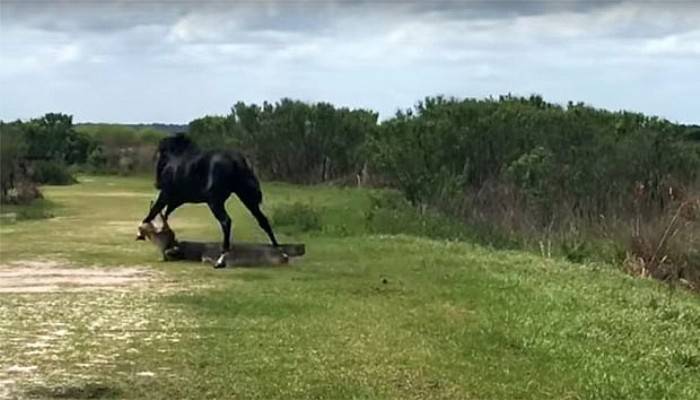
[[172, 61]]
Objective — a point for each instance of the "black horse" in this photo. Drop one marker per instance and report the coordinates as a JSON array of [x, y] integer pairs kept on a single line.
[[184, 174]]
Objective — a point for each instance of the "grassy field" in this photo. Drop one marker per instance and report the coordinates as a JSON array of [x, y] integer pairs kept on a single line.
[[359, 317]]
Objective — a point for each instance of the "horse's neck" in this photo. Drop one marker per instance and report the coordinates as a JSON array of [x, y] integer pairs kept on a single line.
[[172, 162]]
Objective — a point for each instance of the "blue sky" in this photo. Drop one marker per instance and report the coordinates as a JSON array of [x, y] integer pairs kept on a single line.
[[173, 61]]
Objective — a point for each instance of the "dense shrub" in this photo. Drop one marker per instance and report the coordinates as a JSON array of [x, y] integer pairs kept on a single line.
[[121, 149], [550, 154], [292, 140], [668, 248], [562, 180], [13, 150], [36, 152], [51, 173], [52, 137]]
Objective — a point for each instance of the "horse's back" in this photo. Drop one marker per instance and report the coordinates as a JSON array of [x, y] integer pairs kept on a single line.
[[203, 175], [185, 177]]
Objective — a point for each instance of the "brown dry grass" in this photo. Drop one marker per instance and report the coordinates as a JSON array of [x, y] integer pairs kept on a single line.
[[667, 248]]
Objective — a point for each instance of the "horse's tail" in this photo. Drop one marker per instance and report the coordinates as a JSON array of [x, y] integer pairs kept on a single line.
[[251, 190]]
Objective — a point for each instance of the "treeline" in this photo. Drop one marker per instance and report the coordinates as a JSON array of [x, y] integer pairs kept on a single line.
[[51, 149], [291, 140], [585, 160], [120, 149], [158, 127]]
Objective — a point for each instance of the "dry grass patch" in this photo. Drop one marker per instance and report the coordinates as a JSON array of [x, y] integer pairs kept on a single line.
[[63, 326]]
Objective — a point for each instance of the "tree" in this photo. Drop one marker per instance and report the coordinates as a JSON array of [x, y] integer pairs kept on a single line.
[[212, 132], [52, 137], [13, 150]]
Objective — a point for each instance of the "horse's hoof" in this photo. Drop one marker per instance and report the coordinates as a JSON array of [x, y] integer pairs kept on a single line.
[[221, 262]]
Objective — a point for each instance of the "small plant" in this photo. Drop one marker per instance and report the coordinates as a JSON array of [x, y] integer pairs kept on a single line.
[[52, 173], [576, 250], [298, 216]]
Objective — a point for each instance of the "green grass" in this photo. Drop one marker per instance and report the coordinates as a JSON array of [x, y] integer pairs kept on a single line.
[[361, 316], [37, 209]]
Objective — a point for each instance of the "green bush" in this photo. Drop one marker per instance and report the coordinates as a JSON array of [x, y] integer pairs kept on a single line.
[[52, 173], [97, 159], [556, 156], [291, 140], [297, 217]]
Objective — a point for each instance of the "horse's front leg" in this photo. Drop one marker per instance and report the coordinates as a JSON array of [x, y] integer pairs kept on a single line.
[[156, 208], [219, 210], [174, 205]]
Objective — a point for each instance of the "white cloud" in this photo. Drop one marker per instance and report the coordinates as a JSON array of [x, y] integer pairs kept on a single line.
[[201, 28], [66, 53], [182, 60], [684, 44]]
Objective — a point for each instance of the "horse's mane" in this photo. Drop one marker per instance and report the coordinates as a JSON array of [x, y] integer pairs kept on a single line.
[[176, 145]]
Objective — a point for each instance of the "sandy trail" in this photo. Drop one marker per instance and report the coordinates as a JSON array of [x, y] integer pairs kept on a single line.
[[52, 337], [53, 276]]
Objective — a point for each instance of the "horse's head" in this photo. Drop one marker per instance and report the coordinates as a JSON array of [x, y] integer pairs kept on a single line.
[[169, 149], [176, 145]]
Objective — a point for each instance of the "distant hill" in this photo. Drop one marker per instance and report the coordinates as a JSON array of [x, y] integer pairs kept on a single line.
[[167, 128]]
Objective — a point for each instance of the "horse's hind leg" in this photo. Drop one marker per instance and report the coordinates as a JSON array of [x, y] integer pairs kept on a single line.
[[219, 211], [254, 208]]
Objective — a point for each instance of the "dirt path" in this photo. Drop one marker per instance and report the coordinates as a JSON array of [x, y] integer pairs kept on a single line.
[[63, 325], [52, 276]]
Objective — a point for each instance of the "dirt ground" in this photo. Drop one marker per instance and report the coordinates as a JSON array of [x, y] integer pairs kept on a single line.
[[53, 276], [62, 323]]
